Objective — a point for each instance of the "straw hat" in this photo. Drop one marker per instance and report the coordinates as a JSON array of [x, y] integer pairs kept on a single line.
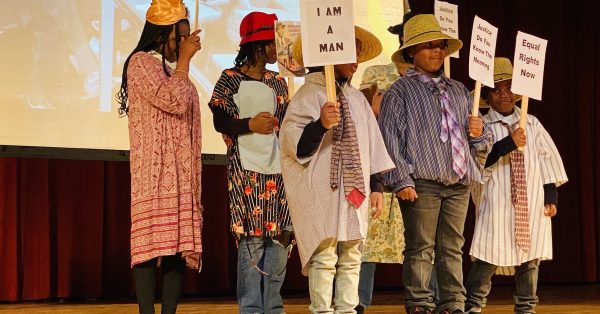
[[398, 57], [257, 26], [423, 28], [166, 12], [503, 70], [370, 46]]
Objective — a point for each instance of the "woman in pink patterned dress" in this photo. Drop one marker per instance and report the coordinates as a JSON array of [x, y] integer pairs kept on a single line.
[[164, 132]]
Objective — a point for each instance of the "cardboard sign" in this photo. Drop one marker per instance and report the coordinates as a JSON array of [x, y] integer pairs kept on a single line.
[[528, 71], [447, 15], [327, 32], [286, 33], [483, 48]]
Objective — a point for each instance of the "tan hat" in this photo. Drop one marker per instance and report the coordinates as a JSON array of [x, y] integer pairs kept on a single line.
[[503, 70], [423, 28], [166, 12], [370, 46]]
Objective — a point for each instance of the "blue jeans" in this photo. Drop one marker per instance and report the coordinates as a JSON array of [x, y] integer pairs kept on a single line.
[[367, 281], [258, 293], [479, 284], [435, 222]]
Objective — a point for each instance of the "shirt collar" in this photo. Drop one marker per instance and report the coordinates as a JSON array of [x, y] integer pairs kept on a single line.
[[511, 119], [410, 72], [319, 79]]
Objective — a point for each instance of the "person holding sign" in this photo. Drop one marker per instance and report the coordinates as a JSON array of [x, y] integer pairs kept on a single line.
[[432, 138], [517, 187], [329, 151], [385, 239], [165, 138], [247, 104]]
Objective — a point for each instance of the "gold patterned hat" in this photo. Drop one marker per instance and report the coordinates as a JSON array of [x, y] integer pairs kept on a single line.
[[166, 12]]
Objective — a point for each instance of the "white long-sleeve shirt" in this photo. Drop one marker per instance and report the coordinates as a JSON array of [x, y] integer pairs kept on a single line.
[[494, 237]]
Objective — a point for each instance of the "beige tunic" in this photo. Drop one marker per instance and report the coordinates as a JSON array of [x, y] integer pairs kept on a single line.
[[318, 212]]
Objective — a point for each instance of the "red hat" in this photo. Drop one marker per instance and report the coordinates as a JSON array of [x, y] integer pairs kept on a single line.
[[257, 26]]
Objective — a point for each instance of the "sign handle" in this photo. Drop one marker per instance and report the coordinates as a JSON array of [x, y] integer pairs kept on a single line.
[[476, 98], [330, 84], [523, 120], [291, 87], [196, 12], [447, 67]]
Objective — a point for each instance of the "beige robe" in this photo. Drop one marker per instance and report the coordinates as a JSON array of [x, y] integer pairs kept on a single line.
[[317, 211]]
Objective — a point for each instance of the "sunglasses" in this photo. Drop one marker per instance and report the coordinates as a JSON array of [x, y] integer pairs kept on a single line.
[[443, 45]]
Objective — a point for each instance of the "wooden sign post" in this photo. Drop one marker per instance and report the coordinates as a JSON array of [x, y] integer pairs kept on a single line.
[[528, 71], [327, 37], [196, 13], [481, 57], [447, 15]]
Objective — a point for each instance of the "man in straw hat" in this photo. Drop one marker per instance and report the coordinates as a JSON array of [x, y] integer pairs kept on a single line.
[[430, 135], [164, 131], [518, 187], [329, 152]]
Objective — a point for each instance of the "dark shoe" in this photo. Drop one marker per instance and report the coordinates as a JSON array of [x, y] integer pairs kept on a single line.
[[453, 312], [359, 309], [420, 310], [469, 309]]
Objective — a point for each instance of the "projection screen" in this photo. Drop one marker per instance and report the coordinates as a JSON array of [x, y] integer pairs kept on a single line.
[[62, 62]]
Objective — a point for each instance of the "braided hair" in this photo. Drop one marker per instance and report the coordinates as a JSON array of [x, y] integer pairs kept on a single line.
[[250, 51], [154, 38]]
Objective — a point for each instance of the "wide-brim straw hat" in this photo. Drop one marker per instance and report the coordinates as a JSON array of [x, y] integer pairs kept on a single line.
[[423, 28], [166, 12], [503, 70], [370, 46]]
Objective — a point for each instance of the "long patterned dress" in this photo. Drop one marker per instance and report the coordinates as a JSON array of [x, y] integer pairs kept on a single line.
[[257, 202], [165, 141]]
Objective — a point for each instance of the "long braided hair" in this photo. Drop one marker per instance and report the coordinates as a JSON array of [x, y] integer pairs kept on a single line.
[[250, 52], [154, 37]]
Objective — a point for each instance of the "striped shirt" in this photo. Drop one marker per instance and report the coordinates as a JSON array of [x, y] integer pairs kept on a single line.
[[494, 237], [410, 122]]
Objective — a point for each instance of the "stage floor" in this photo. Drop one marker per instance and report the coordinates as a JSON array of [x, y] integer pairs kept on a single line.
[[583, 299]]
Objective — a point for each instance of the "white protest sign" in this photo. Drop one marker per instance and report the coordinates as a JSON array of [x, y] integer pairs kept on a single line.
[[447, 15], [483, 48], [327, 32], [528, 71]]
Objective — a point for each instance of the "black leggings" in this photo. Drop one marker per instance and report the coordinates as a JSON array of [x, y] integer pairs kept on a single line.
[[145, 282]]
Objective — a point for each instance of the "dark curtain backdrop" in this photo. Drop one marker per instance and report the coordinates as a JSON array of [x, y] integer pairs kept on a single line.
[[64, 224]]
